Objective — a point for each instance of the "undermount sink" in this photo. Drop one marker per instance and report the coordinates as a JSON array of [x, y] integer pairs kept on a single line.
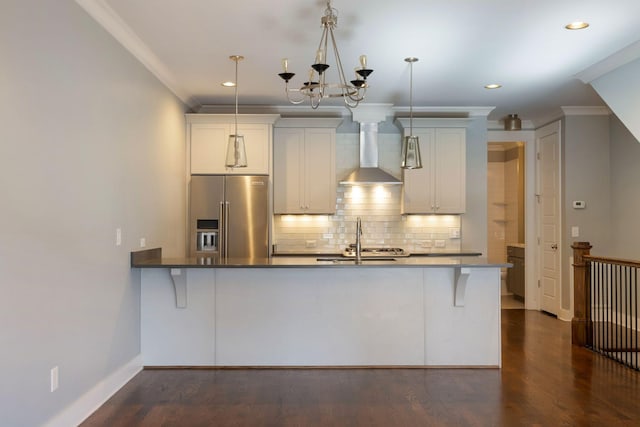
[[353, 260]]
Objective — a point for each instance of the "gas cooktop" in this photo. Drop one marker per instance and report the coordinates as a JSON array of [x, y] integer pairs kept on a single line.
[[375, 252]]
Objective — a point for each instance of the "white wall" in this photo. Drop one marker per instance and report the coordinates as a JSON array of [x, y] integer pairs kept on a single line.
[[90, 141]]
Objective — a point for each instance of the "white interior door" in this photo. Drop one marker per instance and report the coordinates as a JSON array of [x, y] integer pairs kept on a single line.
[[549, 245]]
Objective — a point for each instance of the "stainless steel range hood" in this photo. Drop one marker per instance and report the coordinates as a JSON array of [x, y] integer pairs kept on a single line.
[[369, 172]]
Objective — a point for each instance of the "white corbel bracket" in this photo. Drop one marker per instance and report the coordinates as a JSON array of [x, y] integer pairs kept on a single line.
[[460, 285], [179, 278]]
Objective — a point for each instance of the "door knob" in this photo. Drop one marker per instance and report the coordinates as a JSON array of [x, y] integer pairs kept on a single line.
[[554, 246]]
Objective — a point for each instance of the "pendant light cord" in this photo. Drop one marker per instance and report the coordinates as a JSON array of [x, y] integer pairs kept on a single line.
[[411, 60], [236, 116], [411, 98]]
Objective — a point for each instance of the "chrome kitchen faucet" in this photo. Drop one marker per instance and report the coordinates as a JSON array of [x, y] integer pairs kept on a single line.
[[358, 243]]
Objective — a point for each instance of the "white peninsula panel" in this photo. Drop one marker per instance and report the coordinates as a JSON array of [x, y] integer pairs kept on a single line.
[[316, 315], [325, 317], [172, 336], [466, 335]]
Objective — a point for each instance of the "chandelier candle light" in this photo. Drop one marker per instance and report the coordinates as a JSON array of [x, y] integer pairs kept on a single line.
[[410, 145], [317, 88], [236, 152]]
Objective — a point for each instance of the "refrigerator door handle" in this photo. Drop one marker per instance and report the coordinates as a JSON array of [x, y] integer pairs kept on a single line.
[[226, 229]]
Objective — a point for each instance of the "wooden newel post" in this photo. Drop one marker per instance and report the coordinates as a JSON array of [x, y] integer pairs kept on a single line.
[[580, 322]]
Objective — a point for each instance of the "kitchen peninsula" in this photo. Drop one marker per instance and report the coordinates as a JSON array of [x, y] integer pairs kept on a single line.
[[302, 311]]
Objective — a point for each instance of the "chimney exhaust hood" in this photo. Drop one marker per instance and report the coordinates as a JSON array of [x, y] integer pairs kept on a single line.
[[369, 173]]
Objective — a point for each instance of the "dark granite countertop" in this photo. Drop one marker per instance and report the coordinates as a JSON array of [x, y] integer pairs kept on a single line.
[[413, 254], [152, 258]]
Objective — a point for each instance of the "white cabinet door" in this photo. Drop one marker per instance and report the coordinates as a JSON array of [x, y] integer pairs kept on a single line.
[[418, 195], [208, 135], [257, 140], [450, 170], [304, 171], [208, 148], [320, 170], [288, 162], [439, 187]]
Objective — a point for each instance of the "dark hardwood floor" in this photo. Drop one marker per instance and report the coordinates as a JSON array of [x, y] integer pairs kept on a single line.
[[545, 381]]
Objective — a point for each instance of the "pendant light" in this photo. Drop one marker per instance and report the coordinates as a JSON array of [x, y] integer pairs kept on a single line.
[[236, 152], [410, 145]]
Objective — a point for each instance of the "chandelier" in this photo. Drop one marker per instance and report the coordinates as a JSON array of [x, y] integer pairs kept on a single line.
[[317, 87]]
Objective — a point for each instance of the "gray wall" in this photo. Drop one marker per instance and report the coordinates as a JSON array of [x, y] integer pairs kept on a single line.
[[474, 221], [619, 89], [90, 141], [625, 194], [586, 177]]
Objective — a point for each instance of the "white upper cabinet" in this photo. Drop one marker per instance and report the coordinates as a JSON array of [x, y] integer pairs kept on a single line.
[[304, 175], [208, 135], [439, 187]]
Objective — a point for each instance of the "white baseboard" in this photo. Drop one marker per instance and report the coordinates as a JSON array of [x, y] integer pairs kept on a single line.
[[565, 315], [86, 404]]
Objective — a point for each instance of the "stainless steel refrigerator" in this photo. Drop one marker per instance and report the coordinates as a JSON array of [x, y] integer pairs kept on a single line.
[[228, 216]]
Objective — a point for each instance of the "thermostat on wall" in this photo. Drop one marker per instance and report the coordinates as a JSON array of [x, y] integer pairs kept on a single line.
[[579, 204]]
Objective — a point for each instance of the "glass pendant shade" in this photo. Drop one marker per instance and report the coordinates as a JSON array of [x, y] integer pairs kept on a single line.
[[411, 153], [411, 158], [236, 152]]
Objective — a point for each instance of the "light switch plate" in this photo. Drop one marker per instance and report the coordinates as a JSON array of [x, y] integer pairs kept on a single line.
[[575, 231], [54, 378]]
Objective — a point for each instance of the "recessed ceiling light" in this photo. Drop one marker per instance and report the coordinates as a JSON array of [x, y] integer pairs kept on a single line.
[[228, 84], [493, 86], [577, 25]]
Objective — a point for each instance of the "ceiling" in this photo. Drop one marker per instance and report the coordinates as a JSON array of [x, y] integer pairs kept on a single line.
[[461, 45]]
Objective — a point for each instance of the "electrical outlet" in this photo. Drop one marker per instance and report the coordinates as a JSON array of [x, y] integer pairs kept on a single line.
[[143, 242], [454, 233], [426, 243], [118, 236], [441, 244], [54, 379]]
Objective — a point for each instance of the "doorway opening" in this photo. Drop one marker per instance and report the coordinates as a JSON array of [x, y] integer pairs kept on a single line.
[[506, 217]]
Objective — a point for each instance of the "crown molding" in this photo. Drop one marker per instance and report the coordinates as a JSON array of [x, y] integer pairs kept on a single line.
[[269, 119], [104, 15], [371, 113], [585, 111], [447, 111], [449, 122], [287, 110], [618, 59], [308, 122]]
